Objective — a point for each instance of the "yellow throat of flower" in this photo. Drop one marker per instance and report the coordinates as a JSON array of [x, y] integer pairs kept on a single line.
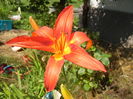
[[61, 47]]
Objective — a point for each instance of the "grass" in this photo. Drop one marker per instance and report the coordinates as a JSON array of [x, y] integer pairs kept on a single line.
[[28, 82]]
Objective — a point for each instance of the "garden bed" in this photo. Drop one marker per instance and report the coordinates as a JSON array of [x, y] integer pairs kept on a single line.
[[119, 72]]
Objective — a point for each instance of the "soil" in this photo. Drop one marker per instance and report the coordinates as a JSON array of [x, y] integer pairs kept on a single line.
[[120, 70], [5, 51], [121, 73]]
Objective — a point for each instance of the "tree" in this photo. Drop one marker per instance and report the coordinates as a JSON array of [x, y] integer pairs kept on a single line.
[[86, 8]]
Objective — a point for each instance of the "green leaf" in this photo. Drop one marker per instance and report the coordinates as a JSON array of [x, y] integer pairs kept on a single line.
[[105, 61], [19, 80], [27, 97], [106, 55], [85, 81], [1, 93], [86, 87], [92, 84], [83, 45], [81, 71], [6, 89], [93, 48], [97, 56], [18, 93], [90, 71]]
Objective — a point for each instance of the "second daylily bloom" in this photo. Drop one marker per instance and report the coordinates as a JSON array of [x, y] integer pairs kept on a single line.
[[61, 42]]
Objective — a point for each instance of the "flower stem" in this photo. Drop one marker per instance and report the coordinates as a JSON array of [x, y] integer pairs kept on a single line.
[[64, 73]]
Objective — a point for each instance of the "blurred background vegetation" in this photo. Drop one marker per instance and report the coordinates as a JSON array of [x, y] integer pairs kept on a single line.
[[43, 11]]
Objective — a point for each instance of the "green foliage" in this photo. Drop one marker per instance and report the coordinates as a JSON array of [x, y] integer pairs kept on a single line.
[[28, 86], [86, 87], [101, 56], [87, 79], [4, 9], [81, 71], [24, 22], [73, 75], [10, 92], [98, 54], [75, 3], [38, 6]]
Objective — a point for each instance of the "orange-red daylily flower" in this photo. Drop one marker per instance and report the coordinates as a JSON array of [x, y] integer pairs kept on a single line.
[[61, 42]]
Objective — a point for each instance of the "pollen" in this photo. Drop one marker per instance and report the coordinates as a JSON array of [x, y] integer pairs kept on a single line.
[[67, 50], [58, 57]]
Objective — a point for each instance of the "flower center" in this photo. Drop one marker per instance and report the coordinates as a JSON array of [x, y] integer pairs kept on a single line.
[[61, 47]]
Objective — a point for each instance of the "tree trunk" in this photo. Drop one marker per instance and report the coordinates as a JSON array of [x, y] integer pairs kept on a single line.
[[86, 8], [62, 4]]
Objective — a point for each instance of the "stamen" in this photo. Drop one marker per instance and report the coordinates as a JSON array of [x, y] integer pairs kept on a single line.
[[60, 44], [61, 47]]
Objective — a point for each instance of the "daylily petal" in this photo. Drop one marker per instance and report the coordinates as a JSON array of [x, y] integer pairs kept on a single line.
[[79, 37], [39, 43], [44, 32], [64, 22], [80, 57], [52, 72], [33, 23]]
